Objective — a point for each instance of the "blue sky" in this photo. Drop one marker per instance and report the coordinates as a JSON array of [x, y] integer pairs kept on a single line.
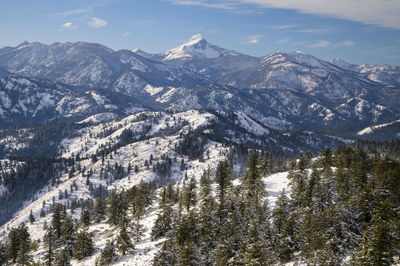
[[367, 33]]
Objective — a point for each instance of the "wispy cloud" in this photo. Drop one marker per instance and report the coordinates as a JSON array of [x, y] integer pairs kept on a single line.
[[321, 43], [97, 22], [280, 27], [376, 12], [315, 31], [233, 6], [126, 34], [73, 12], [68, 26], [325, 43], [195, 37], [226, 5], [283, 41], [253, 39], [345, 44]]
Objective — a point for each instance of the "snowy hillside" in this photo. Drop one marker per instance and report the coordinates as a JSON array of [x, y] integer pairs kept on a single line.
[[283, 91], [155, 140]]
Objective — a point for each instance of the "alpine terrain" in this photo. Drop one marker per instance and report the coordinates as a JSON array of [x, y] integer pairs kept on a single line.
[[199, 155]]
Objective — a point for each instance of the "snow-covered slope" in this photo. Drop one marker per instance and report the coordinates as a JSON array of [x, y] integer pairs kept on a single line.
[[32, 101], [158, 134], [283, 91], [197, 48]]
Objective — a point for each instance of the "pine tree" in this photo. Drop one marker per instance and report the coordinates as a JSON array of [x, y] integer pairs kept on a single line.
[[24, 240], [99, 210], [189, 194], [163, 223], [137, 230], [3, 254], [31, 217], [252, 181], [117, 209], [83, 246], [50, 246], [68, 235], [223, 179], [59, 214], [13, 245], [108, 255], [124, 242], [207, 219], [62, 258], [85, 217], [167, 255], [187, 255], [42, 213]]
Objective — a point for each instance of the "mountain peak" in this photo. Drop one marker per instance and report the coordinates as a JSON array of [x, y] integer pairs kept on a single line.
[[340, 62], [195, 39], [142, 53], [196, 47]]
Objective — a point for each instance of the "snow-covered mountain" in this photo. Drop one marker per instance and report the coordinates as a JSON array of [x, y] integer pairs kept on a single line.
[[196, 48], [37, 101], [281, 90], [155, 146], [84, 120], [386, 74]]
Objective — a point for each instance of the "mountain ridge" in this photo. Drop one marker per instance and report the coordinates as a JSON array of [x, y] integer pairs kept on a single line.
[[322, 94]]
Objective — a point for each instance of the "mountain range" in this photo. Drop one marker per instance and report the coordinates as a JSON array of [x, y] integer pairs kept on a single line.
[[80, 122], [284, 91]]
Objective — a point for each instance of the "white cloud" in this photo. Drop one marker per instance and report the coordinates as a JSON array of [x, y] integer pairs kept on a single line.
[[346, 43], [324, 43], [384, 13], [71, 13], [229, 5], [253, 39], [378, 12], [283, 40], [97, 22], [315, 31], [126, 34], [195, 37], [280, 27], [321, 43], [68, 26]]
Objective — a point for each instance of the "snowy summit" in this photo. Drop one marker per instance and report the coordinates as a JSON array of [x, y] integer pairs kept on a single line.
[[196, 47]]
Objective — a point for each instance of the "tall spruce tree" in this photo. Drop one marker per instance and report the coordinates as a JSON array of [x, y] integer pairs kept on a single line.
[[83, 246]]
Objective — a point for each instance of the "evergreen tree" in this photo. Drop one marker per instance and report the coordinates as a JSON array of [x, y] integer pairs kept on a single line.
[[59, 214], [137, 230], [99, 210], [117, 209], [163, 223], [24, 240], [124, 242], [3, 254], [68, 235], [83, 246], [108, 255], [189, 194], [167, 255], [31, 217], [49, 247], [13, 245], [62, 258], [223, 179], [85, 217]]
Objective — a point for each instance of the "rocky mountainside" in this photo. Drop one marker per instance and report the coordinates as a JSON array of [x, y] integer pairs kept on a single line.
[[284, 91]]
